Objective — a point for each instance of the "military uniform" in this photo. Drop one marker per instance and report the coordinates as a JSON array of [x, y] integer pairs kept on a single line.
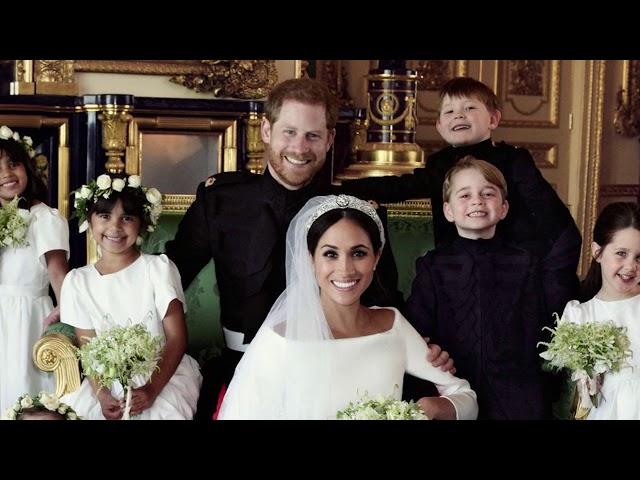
[[240, 219]]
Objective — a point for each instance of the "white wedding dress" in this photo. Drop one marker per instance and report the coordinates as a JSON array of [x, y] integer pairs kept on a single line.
[[324, 376], [620, 399], [25, 303], [139, 293]]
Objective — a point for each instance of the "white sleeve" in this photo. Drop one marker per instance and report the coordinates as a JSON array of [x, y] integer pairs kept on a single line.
[[51, 233], [70, 309], [165, 279], [575, 312], [456, 390]]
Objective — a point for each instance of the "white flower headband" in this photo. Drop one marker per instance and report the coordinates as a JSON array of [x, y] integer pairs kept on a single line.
[[103, 186], [27, 143], [347, 201], [48, 401]]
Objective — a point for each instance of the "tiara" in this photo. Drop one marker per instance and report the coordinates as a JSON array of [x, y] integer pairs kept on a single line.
[[27, 142], [347, 201]]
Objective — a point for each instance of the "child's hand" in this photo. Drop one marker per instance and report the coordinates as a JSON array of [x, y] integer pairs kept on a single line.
[[439, 358], [53, 317], [142, 398], [111, 408]]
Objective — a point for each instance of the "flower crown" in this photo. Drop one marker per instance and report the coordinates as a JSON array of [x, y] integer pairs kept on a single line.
[[347, 201], [27, 142], [47, 401], [103, 186]]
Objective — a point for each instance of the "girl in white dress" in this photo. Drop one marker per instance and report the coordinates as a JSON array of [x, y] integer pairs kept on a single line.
[[612, 286], [26, 271], [125, 287], [319, 348]]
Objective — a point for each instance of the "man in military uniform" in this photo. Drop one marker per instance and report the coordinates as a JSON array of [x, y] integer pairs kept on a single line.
[[240, 219]]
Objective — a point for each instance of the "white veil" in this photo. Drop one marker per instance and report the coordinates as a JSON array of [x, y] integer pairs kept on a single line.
[[283, 373]]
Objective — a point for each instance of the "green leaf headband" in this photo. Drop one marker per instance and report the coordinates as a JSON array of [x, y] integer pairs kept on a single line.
[[103, 186], [44, 402]]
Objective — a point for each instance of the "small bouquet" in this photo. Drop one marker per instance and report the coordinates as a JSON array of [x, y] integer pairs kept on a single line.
[[14, 225], [120, 354], [381, 408], [588, 350]]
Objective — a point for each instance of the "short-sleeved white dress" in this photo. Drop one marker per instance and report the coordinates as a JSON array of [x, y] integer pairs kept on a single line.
[[25, 302], [139, 293], [620, 399]]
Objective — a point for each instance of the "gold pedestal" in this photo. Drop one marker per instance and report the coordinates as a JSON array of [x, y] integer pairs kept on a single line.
[[380, 159]]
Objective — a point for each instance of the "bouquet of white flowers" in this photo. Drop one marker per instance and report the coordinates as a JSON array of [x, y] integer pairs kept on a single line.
[[381, 408], [14, 224], [120, 354], [588, 350]]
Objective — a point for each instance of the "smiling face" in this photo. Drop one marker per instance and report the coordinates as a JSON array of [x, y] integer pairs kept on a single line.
[[297, 143], [465, 121], [115, 231], [344, 262], [620, 263], [475, 205], [13, 178]]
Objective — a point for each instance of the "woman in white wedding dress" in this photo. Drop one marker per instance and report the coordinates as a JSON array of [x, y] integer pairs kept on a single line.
[[319, 349]]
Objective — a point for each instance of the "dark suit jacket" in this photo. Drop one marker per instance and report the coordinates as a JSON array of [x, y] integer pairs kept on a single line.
[[482, 301]]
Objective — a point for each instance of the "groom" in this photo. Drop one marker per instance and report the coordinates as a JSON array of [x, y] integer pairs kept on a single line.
[[240, 219]]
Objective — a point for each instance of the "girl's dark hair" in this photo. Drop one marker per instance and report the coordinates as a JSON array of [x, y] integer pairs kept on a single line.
[[613, 218], [133, 201], [36, 188], [326, 220]]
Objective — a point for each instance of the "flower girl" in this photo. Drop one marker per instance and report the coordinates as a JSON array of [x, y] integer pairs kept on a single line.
[[612, 286], [126, 287], [34, 248]]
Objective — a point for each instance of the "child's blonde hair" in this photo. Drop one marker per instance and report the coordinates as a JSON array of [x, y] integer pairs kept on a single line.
[[488, 171], [469, 87]]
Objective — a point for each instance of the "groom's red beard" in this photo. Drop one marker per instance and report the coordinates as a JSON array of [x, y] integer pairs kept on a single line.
[[296, 176]]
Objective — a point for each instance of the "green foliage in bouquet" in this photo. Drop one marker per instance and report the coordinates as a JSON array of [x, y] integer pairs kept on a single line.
[[120, 354], [589, 347], [381, 408], [14, 224]]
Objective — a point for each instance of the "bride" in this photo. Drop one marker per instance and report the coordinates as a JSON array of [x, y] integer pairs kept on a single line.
[[319, 348]]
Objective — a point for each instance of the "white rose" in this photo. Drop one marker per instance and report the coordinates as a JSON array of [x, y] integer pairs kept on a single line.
[[50, 401], [26, 402], [62, 409], [103, 181], [28, 140], [5, 132], [154, 196], [83, 226], [9, 414], [86, 192], [118, 184], [72, 416], [150, 228], [134, 181]]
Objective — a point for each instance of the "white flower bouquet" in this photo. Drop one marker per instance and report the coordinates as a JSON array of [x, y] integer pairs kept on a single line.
[[381, 408], [588, 350], [14, 225], [120, 354]]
